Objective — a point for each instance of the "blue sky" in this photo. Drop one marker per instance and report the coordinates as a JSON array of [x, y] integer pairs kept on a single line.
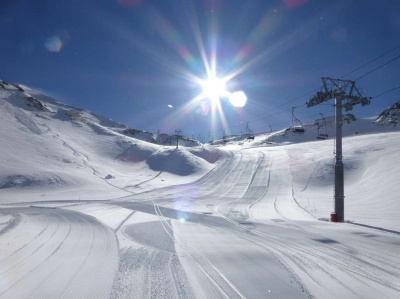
[[130, 59]]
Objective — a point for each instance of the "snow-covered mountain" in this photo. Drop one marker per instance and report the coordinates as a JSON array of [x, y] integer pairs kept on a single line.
[[92, 208], [390, 116], [49, 145], [69, 150]]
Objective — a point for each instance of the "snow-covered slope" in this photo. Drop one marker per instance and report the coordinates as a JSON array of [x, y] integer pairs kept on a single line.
[[52, 148], [322, 129], [371, 178], [49, 148], [233, 221]]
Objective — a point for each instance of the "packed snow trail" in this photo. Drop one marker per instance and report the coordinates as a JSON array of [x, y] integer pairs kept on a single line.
[[56, 253], [252, 218], [237, 232]]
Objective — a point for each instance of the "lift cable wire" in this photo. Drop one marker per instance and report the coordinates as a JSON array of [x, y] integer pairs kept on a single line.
[[377, 68], [311, 117], [262, 115], [383, 93], [313, 91], [365, 64]]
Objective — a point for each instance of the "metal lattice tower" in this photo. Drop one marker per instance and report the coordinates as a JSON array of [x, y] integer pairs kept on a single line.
[[346, 96]]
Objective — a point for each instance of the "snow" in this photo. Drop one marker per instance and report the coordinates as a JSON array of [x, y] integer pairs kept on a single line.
[[92, 208]]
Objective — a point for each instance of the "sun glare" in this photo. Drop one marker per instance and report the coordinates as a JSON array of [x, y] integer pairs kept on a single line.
[[213, 87]]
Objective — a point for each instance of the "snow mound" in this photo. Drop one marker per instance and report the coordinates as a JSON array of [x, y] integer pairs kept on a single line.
[[210, 154], [177, 161]]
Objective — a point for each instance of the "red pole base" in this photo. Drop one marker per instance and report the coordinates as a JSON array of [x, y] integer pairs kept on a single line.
[[333, 217]]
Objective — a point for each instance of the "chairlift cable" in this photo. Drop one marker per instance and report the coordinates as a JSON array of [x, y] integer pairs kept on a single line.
[[264, 114], [270, 114], [383, 93], [377, 68], [365, 64]]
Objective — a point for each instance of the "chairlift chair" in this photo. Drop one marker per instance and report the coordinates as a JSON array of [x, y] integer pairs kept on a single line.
[[297, 126], [249, 133], [323, 135], [298, 130]]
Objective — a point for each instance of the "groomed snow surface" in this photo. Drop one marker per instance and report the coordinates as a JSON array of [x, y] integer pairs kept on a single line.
[[88, 211]]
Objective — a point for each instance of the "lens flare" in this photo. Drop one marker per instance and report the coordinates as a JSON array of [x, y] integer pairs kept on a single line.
[[56, 42], [129, 2], [238, 99], [294, 3], [203, 108], [53, 44]]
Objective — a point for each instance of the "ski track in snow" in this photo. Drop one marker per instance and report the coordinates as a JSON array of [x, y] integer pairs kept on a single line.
[[310, 267], [237, 232], [56, 253]]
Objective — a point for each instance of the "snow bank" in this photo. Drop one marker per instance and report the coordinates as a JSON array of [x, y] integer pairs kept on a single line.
[[177, 161], [64, 152]]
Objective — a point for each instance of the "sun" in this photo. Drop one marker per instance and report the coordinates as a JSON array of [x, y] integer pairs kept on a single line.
[[213, 87]]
